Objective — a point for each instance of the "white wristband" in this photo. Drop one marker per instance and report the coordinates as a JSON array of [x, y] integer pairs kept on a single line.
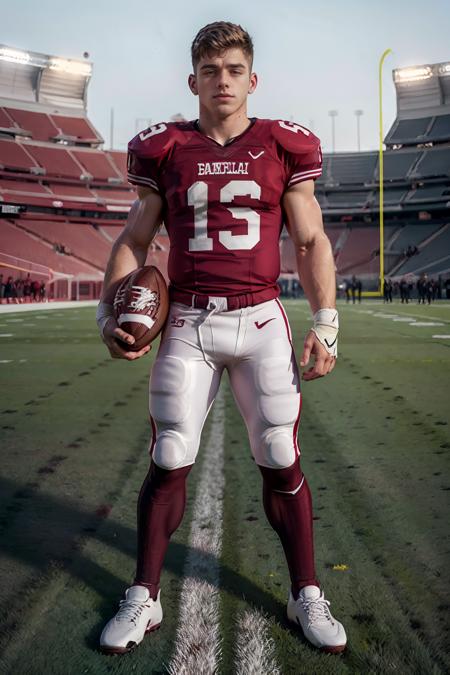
[[104, 312], [326, 326]]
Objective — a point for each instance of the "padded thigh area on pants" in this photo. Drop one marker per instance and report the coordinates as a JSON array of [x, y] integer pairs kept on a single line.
[[169, 390], [278, 390]]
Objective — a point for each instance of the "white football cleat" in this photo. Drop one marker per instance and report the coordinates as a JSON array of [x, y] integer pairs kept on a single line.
[[311, 612], [138, 615]]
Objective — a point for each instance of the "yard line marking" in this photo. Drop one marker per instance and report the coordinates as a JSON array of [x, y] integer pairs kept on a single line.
[[198, 642], [255, 649], [443, 337], [6, 334], [426, 323], [6, 361]]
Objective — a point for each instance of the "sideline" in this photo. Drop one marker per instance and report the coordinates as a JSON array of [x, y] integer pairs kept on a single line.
[[39, 306]]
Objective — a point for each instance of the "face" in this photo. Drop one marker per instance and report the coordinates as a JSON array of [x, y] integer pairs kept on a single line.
[[222, 82]]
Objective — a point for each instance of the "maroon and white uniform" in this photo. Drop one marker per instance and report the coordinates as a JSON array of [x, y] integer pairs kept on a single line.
[[223, 214], [222, 204]]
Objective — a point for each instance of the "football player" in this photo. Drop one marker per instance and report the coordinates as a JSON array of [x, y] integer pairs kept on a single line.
[[223, 185]]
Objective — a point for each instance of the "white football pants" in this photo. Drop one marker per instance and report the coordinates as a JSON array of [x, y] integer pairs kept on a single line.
[[254, 345]]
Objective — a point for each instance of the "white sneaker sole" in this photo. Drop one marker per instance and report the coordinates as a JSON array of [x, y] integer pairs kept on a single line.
[[130, 646], [328, 649]]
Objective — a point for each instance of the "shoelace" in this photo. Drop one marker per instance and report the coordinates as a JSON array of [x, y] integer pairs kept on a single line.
[[130, 610], [317, 609]]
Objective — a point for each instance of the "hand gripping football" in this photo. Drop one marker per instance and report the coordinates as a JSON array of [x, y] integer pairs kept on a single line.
[[141, 305]]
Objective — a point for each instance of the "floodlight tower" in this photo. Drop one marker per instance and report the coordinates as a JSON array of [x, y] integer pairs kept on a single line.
[[333, 114], [358, 114]]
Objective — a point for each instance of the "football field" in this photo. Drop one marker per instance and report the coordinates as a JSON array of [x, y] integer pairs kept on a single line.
[[375, 445]]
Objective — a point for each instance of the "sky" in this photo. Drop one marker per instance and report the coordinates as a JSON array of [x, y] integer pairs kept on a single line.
[[310, 57]]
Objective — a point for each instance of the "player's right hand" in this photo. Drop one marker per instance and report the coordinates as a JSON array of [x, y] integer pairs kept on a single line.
[[117, 340]]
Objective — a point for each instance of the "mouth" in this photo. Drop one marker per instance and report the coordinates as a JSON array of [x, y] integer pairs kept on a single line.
[[223, 97]]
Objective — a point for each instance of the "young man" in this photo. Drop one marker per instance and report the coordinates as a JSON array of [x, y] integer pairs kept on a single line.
[[223, 185]]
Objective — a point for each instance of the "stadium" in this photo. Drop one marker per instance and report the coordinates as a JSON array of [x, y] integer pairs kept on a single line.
[[68, 517]]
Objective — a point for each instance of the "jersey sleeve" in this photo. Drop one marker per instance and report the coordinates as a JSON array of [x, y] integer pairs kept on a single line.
[[301, 152], [146, 154]]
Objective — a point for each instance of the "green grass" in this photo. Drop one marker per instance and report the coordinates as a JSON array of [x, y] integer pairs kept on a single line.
[[375, 448]]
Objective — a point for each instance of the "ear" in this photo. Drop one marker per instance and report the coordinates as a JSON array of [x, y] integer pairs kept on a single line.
[[253, 83], [192, 82]]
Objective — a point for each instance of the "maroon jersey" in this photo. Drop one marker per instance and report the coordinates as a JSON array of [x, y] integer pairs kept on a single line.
[[222, 204]]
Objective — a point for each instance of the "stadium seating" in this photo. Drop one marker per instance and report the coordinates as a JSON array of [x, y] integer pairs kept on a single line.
[[15, 156], [77, 127], [440, 131], [97, 164], [397, 164], [17, 242], [412, 235], [39, 124], [351, 168], [430, 193], [57, 161], [82, 240], [5, 120], [430, 255], [343, 199], [433, 163], [411, 131], [359, 249], [119, 159]]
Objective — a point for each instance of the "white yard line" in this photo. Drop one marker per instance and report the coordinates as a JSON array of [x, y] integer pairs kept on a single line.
[[198, 642], [255, 649], [39, 306]]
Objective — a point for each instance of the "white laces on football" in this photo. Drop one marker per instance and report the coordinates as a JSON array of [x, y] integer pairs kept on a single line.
[[317, 609], [130, 610]]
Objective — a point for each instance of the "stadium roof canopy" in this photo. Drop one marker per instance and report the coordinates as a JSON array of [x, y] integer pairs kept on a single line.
[[32, 77]]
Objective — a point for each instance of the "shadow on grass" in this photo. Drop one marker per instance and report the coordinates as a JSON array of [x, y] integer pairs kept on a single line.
[[52, 535]]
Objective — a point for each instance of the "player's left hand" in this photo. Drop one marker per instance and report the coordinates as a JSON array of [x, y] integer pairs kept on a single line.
[[323, 361]]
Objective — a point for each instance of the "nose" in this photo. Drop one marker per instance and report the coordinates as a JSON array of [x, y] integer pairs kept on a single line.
[[222, 79]]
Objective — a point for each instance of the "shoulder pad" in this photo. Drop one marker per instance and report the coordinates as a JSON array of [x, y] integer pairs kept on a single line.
[[159, 139], [293, 137]]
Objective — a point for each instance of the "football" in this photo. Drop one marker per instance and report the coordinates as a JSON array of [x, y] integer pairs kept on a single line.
[[141, 305]]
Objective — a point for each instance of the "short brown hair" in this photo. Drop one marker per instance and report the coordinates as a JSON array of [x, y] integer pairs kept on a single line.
[[217, 37]]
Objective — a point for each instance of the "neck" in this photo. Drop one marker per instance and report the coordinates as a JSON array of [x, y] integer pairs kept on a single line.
[[223, 129]]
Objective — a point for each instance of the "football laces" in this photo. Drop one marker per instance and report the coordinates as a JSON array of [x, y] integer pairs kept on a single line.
[[143, 298]]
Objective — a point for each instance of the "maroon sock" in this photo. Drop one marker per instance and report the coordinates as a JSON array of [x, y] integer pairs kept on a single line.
[[160, 510], [291, 517]]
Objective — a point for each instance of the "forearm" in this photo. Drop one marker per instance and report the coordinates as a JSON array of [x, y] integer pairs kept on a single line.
[[316, 271], [125, 257]]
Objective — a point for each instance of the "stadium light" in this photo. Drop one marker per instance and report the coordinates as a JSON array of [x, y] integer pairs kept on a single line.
[[444, 69], [333, 114], [72, 67], [412, 74], [358, 114], [14, 55]]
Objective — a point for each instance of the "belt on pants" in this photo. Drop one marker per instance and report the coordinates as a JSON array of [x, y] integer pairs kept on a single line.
[[223, 303]]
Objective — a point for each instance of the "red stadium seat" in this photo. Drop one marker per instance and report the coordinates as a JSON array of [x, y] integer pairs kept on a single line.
[[39, 124], [97, 164], [15, 156], [56, 161], [78, 127], [120, 161]]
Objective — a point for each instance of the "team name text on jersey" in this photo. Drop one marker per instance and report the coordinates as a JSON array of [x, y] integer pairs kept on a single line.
[[222, 168]]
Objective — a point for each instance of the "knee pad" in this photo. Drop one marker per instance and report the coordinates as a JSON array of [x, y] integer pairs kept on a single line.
[[279, 391], [169, 390], [277, 448], [288, 480], [170, 449]]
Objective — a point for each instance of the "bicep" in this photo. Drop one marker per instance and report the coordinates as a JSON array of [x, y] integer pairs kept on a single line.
[[302, 213], [144, 219]]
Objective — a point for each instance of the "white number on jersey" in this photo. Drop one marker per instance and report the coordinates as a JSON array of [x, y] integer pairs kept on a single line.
[[291, 126], [153, 131], [198, 198]]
